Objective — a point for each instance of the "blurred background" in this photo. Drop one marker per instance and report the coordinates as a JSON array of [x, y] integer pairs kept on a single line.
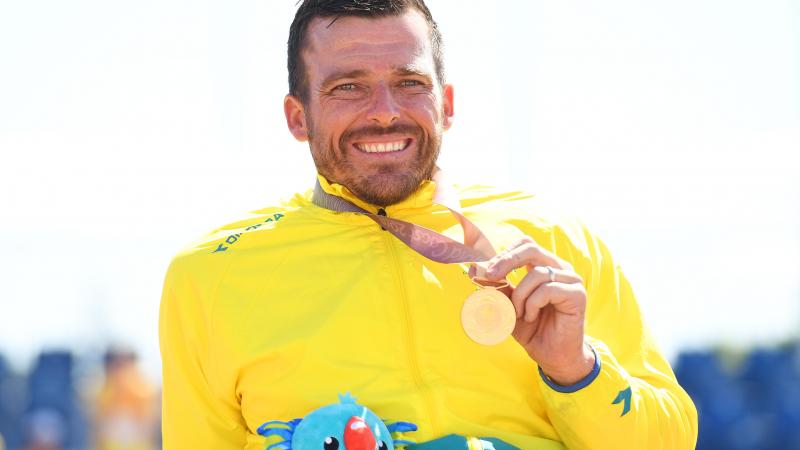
[[127, 130]]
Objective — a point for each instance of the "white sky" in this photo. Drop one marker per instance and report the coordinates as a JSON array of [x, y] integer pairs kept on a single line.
[[671, 129]]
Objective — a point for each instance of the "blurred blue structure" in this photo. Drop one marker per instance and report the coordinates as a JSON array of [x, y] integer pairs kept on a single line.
[[755, 406], [53, 405], [12, 403], [44, 406]]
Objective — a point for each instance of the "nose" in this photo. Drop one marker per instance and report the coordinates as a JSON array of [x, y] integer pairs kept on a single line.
[[358, 436], [384, 110]]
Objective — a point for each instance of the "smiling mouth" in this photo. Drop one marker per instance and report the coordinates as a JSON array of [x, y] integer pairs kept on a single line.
[[383, 147]]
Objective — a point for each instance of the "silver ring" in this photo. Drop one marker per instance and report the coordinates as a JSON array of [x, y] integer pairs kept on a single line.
[[552, 273]]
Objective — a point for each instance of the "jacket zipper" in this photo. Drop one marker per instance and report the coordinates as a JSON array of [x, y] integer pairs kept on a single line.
[[409, 337]]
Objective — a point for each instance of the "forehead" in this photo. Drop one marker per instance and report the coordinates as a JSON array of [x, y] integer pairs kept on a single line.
[[367, 43]]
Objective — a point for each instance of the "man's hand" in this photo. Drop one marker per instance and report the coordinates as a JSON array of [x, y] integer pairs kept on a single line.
[[550, 314]]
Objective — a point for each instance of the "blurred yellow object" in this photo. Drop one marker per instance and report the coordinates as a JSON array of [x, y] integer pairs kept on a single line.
[[126, 407], [2, 443]]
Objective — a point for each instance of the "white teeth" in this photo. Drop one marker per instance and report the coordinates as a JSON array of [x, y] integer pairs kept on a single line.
[[382, 148]]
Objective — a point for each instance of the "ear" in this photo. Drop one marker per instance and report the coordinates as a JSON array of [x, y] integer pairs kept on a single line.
[[295, 117], [447, 105]]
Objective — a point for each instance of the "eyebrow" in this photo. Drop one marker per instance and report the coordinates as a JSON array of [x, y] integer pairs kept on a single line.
[[410, 69], [332, 78], [405, 70]]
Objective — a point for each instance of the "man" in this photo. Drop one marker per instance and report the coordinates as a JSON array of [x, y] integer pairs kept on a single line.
[[271, 317]]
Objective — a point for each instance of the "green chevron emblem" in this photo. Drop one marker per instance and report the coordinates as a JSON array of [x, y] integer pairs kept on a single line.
[[624, 396]]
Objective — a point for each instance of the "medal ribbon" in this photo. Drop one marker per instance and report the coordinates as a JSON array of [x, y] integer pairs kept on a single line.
[[484, 328], [428, 243]]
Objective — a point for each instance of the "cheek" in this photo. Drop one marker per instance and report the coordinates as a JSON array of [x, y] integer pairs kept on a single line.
[[337, 117], [423, 108]]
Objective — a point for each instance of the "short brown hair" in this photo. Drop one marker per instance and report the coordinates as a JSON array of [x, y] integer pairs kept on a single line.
[[310, 9]]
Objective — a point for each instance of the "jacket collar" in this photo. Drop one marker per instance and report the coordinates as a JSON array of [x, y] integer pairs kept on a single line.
[[420, 198]]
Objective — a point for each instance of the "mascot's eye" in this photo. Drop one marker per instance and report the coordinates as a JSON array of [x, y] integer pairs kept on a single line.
[[382, 446], [331, 443]]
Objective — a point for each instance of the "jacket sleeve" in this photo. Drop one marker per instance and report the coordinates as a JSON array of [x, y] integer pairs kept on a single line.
[[635, 401], [194, 415]]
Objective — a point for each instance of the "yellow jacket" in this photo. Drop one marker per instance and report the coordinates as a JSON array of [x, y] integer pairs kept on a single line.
[[271, 317]]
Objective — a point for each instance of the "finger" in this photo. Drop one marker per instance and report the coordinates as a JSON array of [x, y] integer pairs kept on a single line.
[[528, 253], [524, 331], [484, 267], [566, 298], [535, 278]]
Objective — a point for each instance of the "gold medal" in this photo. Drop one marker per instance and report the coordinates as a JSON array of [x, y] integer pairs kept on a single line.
[[488, 316]]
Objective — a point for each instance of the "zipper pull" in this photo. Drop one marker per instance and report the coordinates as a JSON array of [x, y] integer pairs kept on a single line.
[[382, 212]]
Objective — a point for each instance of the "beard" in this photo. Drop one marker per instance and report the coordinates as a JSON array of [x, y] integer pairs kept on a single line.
[[381, 184]]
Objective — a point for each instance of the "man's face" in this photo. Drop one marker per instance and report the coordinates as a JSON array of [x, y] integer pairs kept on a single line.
[[375, 112]]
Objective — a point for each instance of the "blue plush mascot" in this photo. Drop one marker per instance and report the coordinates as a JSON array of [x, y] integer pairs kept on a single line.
[[340, 426]]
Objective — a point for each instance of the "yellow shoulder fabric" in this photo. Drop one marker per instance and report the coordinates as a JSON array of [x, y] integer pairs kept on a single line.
[[273, 316]]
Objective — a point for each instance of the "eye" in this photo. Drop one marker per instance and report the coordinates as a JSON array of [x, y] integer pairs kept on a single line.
[[382, 446], [410, 83], [331, 443], [345, 87]]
